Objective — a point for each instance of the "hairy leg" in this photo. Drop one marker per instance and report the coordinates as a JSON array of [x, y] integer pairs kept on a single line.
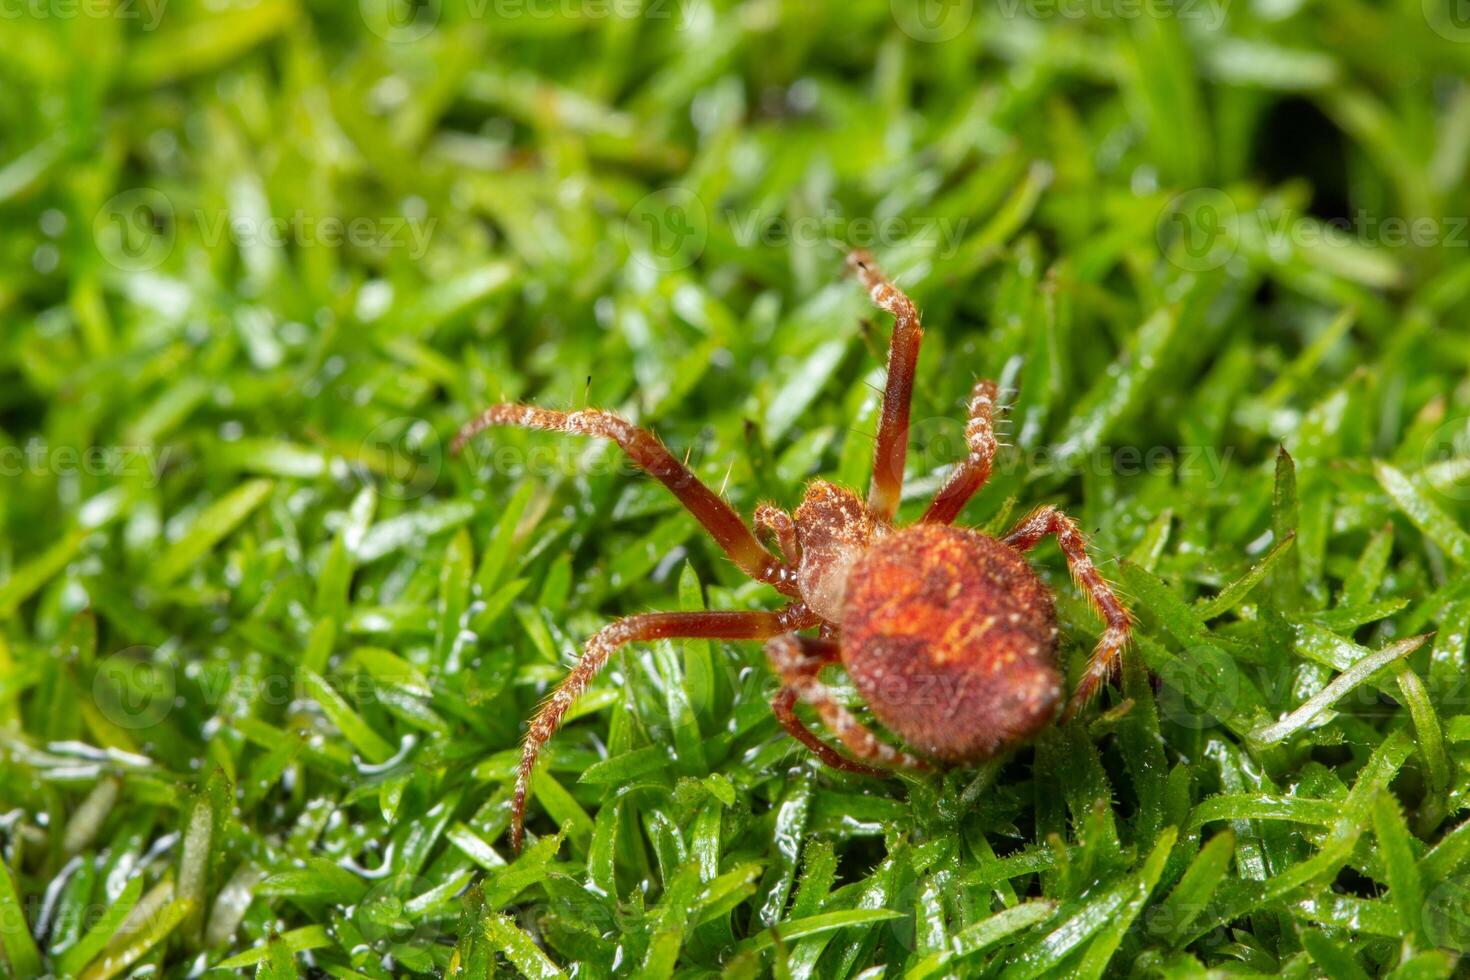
[[903, 354], [645, 449], [972, 472], [776, 524], [797, 659], [754, 625], [1104, 660], [784, 704]]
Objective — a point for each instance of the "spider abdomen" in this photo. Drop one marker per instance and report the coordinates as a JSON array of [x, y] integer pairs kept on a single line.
[[951, 638]]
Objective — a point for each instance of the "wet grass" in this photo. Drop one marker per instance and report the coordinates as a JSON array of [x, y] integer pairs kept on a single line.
[[266, 649]]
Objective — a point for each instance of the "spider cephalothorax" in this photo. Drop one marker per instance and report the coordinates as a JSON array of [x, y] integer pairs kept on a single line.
[[946, 632]]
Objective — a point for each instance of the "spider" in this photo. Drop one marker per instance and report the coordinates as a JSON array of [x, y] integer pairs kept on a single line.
[[947, 633]]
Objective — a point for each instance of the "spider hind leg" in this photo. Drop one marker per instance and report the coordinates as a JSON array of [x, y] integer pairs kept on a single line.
[[1105, 657], [797, 660]]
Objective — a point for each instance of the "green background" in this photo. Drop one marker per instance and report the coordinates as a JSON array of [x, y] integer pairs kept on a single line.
[[266, 650]]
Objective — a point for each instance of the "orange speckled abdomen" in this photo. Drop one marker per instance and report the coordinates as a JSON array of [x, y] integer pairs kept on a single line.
[[951, 638]]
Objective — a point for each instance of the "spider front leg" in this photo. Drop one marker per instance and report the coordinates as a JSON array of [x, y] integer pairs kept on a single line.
[[775, 523], [636, 629], [797, 660], [972, 472], [903, 354], [645, 449], [1104, 660]]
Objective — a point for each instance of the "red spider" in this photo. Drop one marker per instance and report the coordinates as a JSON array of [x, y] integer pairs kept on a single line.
[[946, 632]]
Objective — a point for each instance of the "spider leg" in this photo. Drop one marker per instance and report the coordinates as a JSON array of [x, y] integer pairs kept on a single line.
[[645, 449], [1105, 656], [773, 522], [797, 659], [751, 625], [903, 354], [783, 705], [972, 472]]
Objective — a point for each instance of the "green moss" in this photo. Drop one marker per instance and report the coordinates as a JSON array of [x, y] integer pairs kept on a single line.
[[266, 646]]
